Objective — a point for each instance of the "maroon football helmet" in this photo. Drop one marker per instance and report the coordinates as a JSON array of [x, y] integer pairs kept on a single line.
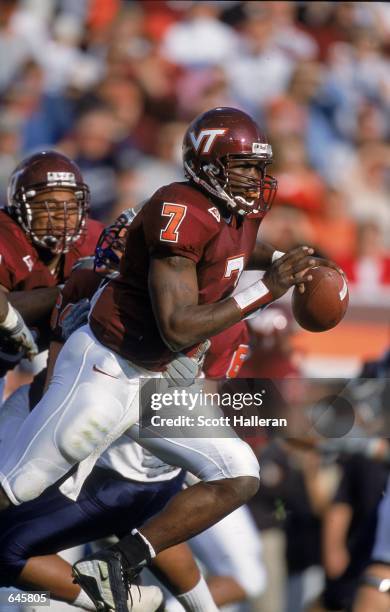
[[215, 139], [41, 173]]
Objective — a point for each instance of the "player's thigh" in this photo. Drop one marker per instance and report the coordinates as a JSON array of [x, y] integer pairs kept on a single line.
[[87, 392], [206, 458], [89, 398], [12, 414], [38, 527]]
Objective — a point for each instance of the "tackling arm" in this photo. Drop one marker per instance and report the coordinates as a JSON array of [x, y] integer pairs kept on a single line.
[[14, 327], [35, 304], [32, 305], [3, 304], [54, 350]]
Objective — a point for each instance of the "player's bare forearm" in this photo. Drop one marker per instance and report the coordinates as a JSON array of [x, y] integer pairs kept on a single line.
[[261, 257], [3, 304], [54, 350], [174, 291], [182, 321], [34, 304], [193, 324]]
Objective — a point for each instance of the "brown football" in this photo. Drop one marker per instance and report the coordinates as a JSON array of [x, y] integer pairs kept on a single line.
[[324, 302]]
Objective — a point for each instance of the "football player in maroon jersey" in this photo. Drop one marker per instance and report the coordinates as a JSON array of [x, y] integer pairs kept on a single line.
[[184, 254], [43, 231]]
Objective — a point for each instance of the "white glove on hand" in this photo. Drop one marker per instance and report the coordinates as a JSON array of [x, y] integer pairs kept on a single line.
[[17, 331], [182, 371], [76, 316]]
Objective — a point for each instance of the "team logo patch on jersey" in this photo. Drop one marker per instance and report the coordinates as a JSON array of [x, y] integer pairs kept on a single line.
[[215, 212], [205, 139], [29, 262]]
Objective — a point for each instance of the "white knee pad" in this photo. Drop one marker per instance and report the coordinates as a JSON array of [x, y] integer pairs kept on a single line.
[[78, 433], [227, 458], [30, 481], [206, 458]]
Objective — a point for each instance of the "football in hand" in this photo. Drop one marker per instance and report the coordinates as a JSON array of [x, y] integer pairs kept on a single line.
[[324, 302]]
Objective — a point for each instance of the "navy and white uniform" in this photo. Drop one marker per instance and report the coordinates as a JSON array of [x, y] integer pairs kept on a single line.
[[108, 503]]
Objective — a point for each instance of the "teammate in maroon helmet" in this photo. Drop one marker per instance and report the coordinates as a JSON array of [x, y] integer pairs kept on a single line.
[[43, 231]]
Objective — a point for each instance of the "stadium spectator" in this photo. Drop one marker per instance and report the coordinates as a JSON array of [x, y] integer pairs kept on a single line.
[[149, 172], [349, 529], [298, 183], [93, 145], [365, 185], [334, 230], [288, 226], [10, 145], [259, 61], [187, 43], [368, 269]]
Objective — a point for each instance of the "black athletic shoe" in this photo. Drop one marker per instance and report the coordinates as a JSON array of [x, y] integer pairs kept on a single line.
[[108, 581]]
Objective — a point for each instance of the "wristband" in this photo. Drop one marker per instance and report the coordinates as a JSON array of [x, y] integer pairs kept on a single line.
[[276, 255], [253, 297], [11, 320], [380, 584]]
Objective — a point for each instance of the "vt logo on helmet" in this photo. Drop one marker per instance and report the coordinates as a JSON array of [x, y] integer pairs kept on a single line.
[[209, 135], [225, 152]]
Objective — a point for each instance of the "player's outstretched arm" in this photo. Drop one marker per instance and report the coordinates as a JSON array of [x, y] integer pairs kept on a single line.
[[13, 327], [183, 322], [3, 304], [34, 304]]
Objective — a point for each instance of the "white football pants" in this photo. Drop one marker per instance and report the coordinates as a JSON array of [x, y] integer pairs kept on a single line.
[[93, 398]]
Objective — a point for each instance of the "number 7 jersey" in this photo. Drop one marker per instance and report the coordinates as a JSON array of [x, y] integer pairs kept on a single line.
[[178, 220]]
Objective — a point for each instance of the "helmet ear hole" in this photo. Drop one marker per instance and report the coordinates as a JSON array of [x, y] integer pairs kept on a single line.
[[214, 169]]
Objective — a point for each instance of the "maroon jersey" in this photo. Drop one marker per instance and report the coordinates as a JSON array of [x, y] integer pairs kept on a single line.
[[177, 220], [227, 353], [20, 265], [224, 358]]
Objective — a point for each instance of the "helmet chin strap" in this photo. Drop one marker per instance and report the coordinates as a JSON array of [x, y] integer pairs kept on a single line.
[[216, 190], [247, 202]]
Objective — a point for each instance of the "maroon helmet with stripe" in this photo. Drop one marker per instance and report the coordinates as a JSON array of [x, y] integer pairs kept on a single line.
[[215, 139], [42, 173]]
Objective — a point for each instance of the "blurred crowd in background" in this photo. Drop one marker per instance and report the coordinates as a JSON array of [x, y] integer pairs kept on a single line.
[[114, 84]]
